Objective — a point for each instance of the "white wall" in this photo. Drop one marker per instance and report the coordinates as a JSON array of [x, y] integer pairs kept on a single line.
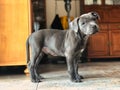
[[50, 9]]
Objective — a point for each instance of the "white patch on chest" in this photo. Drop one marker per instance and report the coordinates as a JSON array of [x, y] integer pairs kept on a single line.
[[81, 50]]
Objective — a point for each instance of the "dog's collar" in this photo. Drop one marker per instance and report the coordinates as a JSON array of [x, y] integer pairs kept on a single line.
[[79, 33]]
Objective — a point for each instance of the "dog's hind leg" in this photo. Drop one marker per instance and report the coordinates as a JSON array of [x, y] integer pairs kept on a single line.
[[33, 64], [40, 57]]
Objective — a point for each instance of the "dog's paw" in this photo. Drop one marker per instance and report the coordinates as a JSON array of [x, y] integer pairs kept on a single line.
[[36, 81], [76, 80], [41, 77], [81, 77]]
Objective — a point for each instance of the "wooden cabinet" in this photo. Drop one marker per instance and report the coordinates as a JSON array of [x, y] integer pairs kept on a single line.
[[97, 45], [106, 43], [115, 43], [15, 26]]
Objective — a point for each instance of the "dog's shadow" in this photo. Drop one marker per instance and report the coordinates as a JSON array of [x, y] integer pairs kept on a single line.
[[46, 68]]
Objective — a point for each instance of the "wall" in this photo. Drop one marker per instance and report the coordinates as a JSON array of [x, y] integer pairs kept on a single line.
[[51, 11]]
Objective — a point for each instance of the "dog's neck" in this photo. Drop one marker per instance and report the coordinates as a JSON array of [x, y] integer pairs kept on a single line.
[[80, 34]]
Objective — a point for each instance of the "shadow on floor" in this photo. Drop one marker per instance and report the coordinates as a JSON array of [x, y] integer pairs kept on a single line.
[[105, 59], [11, 70]]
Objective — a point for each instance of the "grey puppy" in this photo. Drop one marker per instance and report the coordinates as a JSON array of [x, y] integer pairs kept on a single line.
[[68, 43]]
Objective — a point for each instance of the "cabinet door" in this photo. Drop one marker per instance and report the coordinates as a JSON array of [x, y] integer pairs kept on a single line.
[[14, 29], [98, 45], [115, 42]]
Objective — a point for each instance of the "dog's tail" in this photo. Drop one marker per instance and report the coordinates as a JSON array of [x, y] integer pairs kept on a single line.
[[27, 50]]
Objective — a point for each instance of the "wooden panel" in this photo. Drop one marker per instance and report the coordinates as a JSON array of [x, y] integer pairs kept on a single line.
[[107, 43], [100, 10], [115, 43], [103, 26], [114, 26], [14, 29], [114, 14], [98, 45]]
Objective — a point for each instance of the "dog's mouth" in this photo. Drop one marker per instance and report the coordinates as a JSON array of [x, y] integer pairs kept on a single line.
[[91, 33], [95, 31]]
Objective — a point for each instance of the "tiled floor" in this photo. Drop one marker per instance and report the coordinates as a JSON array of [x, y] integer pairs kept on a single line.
[[97, 76]]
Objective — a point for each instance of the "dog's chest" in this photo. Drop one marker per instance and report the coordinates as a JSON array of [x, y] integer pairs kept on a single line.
[[81, 45]]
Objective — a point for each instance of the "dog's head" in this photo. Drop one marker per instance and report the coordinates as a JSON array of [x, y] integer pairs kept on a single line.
[[86, 23]]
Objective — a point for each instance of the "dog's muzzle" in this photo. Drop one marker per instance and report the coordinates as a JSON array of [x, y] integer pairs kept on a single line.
[[95, 29]]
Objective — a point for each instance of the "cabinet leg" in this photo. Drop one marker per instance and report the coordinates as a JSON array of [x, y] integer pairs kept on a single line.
[[26, 72]]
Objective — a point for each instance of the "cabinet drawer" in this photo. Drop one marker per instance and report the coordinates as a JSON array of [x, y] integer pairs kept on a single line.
[[114, 26], [103, 26]]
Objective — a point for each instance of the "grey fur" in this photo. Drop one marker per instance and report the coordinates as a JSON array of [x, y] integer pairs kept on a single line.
[[68, 43]]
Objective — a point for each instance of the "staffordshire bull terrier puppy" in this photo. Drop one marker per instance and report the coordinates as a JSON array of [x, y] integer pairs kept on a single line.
[[68, 43]]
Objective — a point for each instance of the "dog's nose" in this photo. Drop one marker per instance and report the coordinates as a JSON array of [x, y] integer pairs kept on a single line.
[[95, 31], [94, 27]]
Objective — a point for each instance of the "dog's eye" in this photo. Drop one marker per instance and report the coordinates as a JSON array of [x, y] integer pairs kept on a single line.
[[82, 23]]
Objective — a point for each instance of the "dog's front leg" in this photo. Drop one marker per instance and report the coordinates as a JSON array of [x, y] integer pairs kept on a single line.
[[79, 77], [71, 69]]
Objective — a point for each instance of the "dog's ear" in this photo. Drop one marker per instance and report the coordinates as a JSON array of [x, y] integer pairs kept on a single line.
[[96, 15], [74, 24]]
